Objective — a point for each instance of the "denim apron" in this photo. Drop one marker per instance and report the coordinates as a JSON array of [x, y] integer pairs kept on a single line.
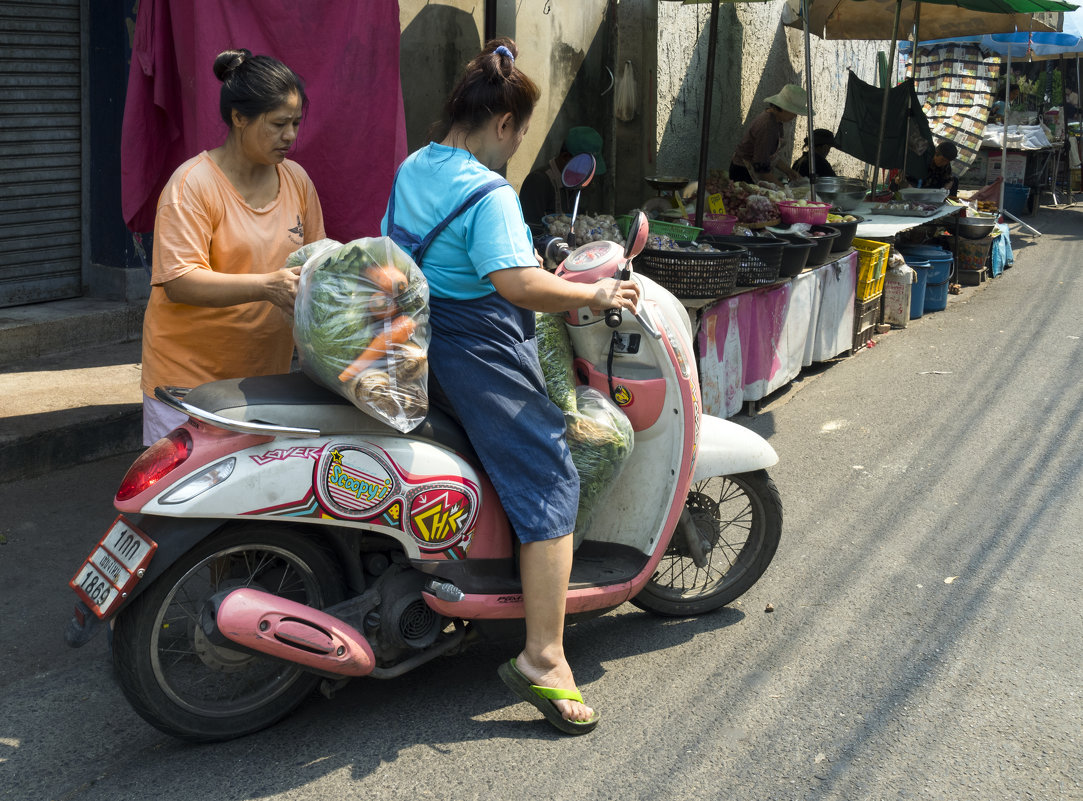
[[484, 356]]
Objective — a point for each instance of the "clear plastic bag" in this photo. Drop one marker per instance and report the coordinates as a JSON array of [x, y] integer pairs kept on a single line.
[[361, 326], [624, 101], [600, 437]]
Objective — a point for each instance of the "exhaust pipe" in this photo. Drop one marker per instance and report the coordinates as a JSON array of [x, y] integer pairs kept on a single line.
[[291, 631]]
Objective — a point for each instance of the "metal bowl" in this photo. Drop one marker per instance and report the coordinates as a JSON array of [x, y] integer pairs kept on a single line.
[[976, 227], [921, 195], [843, 193], [666, 183]]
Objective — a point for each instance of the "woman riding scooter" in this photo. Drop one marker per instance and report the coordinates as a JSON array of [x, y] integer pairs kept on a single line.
[[484, 291]]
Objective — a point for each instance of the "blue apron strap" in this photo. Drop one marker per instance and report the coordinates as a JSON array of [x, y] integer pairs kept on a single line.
[[471, 199], [400, 236], [416, 246]]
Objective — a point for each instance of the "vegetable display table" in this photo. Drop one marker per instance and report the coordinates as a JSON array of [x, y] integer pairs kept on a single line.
[[885, 227], [756, 341]]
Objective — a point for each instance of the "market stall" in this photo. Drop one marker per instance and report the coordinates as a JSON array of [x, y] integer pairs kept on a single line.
[[1026, 169], [886, 226], [757, 340]]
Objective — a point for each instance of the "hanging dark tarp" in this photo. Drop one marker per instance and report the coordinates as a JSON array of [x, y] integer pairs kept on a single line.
[[859, 127]]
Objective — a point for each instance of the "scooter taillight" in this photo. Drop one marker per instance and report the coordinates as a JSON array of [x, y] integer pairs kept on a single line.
[[160, 458]]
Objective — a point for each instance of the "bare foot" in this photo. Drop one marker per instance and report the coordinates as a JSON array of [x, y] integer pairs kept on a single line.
[[559, 675]]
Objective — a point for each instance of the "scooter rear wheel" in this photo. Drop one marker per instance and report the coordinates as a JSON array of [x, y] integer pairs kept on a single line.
[[737, 525], [184, 684]]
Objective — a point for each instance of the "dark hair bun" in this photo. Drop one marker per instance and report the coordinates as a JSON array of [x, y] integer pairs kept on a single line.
[[228, 61]]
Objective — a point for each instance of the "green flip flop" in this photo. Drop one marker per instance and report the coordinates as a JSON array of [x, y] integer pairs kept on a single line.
[[543, 697]]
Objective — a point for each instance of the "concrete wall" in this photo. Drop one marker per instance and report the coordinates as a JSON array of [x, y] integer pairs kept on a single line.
[[756, 56], [564, 50]]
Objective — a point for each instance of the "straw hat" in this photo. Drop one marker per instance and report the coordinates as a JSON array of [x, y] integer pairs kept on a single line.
[[792, 98]]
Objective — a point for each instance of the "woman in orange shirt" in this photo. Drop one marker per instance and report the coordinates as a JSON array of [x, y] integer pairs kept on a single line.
[[221, 300]]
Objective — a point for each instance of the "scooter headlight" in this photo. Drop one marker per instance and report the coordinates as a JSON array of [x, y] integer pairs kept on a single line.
[[201, 482]]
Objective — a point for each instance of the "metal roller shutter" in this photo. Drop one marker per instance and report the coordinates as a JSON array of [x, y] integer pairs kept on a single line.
[[40, 151]]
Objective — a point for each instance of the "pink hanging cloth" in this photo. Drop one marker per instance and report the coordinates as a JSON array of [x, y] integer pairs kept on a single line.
[[353, 135]]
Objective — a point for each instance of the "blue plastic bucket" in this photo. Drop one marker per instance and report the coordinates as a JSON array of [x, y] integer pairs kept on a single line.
[[917, 289], [936, 297], [1015, 198], [939, 260]]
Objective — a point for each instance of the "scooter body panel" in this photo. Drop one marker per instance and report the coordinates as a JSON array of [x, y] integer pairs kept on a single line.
[[426, 497]]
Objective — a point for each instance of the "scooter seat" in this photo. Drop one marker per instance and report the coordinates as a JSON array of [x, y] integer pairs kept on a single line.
[[293, 399]]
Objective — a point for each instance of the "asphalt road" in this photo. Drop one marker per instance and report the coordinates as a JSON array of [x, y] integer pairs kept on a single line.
[[926, 639]]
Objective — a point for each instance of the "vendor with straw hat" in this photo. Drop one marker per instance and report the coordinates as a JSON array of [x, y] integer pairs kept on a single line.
[[757, 155]]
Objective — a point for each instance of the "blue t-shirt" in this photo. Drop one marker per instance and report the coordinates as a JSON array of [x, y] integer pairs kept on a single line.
[[489, 236]]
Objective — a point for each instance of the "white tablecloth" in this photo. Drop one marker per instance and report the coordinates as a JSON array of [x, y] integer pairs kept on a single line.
[[881, 226], [755, 342]]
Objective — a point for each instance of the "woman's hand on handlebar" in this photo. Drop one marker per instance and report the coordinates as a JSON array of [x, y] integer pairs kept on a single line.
[[614, 294]]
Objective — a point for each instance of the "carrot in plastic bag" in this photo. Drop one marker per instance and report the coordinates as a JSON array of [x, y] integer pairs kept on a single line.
[[382, 305], [397, 333], [388, 278]]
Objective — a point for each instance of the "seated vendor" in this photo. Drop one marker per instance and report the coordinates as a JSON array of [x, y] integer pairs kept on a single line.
[[999, 108], [825, 140], [757, 154], [940, 175]]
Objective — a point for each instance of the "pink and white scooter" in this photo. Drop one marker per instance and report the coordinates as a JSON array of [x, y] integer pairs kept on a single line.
[[281, 539]]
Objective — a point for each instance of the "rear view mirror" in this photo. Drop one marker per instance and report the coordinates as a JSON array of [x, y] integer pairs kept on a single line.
[[579, 171], [638, 232]]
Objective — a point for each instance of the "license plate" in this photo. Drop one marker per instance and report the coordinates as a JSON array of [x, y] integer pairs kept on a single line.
[[113, 567]]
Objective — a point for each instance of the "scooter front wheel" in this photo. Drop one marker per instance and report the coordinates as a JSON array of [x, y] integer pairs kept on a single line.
[[732, 527], [184, 684]]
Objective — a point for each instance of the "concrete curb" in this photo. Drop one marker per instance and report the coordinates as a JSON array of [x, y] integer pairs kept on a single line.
[[110, 432]]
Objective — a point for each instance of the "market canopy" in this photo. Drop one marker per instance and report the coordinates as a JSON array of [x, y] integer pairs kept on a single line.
[[875, 19], [1021, 45]]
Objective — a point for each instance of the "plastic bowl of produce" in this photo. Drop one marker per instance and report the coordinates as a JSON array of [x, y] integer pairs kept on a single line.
[[803, 211], [821, 236], [716, 224], [846, 224]]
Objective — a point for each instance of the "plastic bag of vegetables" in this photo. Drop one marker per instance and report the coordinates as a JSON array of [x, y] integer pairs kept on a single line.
[[361, 326], [600, 437], [599, 434]]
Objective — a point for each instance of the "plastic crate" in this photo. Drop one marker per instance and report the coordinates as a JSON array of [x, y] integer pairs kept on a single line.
[[693, 274], [813, 213], [871, 267], [682, 233], [866, 318]]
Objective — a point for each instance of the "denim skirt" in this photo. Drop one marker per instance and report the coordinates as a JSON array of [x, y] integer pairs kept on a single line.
[[484, 355]]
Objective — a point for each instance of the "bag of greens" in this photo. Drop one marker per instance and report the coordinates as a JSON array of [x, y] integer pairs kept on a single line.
[[600, 437], [361, 326]]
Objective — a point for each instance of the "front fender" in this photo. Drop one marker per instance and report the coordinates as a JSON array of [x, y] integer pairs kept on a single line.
[[726, 448]]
